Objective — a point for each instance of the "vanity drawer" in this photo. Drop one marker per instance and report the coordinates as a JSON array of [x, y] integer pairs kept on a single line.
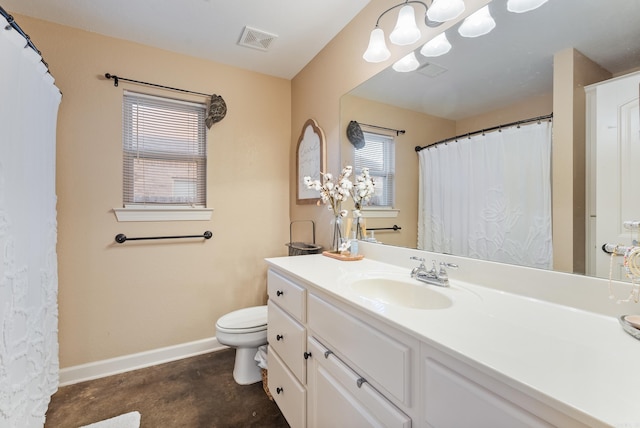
[[288, 338], [381, 359], [290, 396], [339, 398], [286, 294]]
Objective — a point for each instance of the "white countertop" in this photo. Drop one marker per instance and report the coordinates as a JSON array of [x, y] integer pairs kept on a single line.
[[579, 362]]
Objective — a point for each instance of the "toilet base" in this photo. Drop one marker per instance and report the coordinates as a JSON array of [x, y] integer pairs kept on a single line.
[[245, 369]]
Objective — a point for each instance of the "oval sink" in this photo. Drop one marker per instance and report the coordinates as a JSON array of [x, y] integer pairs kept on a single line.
[[400, 293]]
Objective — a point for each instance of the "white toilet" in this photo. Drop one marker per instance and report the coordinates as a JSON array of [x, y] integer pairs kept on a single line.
[[245, 330]]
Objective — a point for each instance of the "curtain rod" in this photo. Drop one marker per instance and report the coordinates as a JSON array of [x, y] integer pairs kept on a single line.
[[13, 24], [116, 79], [493, 128], [397, 131]]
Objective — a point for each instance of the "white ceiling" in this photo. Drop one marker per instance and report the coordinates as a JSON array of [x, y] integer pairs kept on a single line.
[[515, 60], [207, 29]]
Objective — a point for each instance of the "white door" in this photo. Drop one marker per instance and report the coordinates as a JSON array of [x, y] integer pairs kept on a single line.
[[617, 158]]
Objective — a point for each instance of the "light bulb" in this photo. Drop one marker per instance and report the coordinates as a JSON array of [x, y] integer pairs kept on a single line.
[[377, 50], [406, 64], [437, 46], [478, 24], [406, 31], [445, 10], [521, 6]]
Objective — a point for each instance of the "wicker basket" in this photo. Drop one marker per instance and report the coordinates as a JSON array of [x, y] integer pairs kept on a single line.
[[265, 383], [302, 248]]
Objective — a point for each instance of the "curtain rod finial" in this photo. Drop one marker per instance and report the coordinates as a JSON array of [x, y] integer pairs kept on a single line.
[[112, 76]]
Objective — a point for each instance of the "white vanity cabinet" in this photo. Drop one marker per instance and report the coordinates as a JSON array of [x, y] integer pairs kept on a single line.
[[330, 368], [286, 334], [332, 364]]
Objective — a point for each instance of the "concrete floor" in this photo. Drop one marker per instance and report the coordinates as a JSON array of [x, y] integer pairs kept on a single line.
[[196, 392]]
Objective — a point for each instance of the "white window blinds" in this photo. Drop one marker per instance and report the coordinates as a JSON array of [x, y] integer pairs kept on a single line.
[[164, 151], [378, 154]]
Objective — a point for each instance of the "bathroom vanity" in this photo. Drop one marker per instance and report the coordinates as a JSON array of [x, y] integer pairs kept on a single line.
[[362, 344]]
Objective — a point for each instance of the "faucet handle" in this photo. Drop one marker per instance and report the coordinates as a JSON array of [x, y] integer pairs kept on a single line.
[[420, 259], [443, 270]]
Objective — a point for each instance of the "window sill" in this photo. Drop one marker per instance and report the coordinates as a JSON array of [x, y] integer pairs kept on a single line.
[[163, 214], [379, 212]]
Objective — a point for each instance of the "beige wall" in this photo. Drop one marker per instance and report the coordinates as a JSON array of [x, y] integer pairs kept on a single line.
[[535, 106], [118, 299], [572, 72]]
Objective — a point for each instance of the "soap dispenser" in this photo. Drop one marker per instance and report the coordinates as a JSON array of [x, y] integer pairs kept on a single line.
[[354, 244]]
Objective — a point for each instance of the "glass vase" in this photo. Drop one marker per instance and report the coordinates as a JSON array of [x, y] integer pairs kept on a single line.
[[337, 230], [358, 225]]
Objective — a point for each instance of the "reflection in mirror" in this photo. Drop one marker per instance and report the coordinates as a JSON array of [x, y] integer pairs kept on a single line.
[[529, 65]]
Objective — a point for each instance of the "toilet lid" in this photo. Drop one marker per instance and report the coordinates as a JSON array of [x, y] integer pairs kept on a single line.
[[247, 319]]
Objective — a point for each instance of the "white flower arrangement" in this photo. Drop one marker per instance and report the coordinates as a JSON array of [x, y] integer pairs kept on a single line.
[[333, 194], [362, 191]]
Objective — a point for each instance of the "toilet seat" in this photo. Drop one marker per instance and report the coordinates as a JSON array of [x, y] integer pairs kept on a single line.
[[247, 320]]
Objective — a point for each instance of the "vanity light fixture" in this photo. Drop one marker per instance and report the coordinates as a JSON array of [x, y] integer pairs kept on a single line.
[[407, 63], [377, 50], [445, 10], [405, 32], [437, 46], [478, 24], [521, 6]]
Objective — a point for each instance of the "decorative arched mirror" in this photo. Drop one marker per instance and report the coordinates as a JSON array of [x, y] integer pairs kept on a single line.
[[310, 160]]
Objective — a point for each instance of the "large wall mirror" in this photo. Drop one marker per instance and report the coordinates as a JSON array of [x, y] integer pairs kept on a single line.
[[501, 77]]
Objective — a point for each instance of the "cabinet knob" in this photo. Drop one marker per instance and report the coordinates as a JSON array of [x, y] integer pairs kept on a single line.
[[360, 381], [279, 337], [279, 390], [279, 293], [307, 355]]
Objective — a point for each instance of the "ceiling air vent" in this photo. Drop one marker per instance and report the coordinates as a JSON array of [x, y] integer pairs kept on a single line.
[[256, 39], [431, 70]]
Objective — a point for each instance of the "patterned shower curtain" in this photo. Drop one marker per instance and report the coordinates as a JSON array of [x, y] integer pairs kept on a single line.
[[489, 196], [29, 103]]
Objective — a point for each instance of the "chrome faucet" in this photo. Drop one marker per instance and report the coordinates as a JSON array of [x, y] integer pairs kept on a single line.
[[433, 276]]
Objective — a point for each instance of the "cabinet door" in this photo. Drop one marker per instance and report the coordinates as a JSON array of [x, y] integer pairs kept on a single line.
[[339, 397], [290, 396], [447, 392], [288, 338]]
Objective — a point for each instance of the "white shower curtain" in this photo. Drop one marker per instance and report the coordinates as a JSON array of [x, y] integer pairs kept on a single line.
[[489, 196], [28, 267]]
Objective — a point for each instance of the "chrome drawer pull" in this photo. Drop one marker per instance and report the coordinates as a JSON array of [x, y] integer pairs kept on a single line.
[[327, 353], [279, 337], [360, 381]]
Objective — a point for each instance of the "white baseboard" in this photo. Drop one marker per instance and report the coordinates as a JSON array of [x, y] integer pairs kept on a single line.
[[103, 368]]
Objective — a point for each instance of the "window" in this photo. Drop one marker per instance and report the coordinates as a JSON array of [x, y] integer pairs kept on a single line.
[[378, 154], [164, 152]]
